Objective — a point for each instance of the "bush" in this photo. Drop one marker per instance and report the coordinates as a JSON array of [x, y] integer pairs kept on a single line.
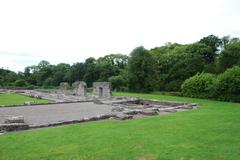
[[31, 87], [90, 90], [200, 86], [174, 86], [228, 86], [20, 83], [118, 83]]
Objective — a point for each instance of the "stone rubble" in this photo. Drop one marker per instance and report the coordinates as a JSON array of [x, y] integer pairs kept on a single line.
[[13, 123], [13, 127]]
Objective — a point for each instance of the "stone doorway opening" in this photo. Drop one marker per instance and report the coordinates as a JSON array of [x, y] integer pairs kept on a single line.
[[100, 91]]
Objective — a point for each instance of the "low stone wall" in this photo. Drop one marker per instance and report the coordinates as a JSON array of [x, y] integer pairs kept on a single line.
[[13, 127]]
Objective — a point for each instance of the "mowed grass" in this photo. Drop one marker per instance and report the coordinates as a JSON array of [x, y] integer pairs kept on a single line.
[[17, 99], [211, 132]]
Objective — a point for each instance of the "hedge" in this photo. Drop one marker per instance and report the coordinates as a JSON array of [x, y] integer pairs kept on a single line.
[[225, 86]]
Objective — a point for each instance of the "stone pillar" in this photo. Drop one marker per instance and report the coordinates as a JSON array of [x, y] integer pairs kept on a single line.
[[80, 88], [102, 90]]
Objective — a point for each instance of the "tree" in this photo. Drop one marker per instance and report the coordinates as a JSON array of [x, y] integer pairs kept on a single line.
[[140, 70], [118, 60], [43, 64], [76, 72], [229, 57], [58, 77], [175, 63], [44, 73], [91, 74], [214, 43]]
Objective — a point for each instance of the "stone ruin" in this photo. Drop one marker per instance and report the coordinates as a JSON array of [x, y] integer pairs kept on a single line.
[[102, 90], [80, 88], [122, 108], [119, 107]]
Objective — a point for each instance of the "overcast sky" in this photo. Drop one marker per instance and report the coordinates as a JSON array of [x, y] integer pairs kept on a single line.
[[72, 30]]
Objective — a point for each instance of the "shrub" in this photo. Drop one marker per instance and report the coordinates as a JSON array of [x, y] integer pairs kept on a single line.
[[31, 87], [118, 82], [228, 86], [20, 83], [174, 86], [90, 90], [200, 86]]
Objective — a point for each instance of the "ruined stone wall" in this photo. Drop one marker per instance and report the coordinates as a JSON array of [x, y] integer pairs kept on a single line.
[[80, 88], [102, 90]]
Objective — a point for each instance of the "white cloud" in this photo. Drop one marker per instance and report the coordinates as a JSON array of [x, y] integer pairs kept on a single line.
[[73, 30]]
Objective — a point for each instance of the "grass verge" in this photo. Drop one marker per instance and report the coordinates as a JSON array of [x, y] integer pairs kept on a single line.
[[17, 99]]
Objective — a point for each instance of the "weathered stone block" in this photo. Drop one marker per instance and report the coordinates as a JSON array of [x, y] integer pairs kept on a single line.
[[28, 103], [14, 119], [102, 90], [13, 127]]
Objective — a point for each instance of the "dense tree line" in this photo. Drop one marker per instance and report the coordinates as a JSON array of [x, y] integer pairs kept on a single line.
[[46, 75], [162, 68]]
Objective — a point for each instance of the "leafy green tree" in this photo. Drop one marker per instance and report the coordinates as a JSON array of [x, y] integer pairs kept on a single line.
[[176, 63], [7, 77], [43, 74], [76, 72], [57, 78], [43, 64], [91, 74], [118, 60], [229, 57], [48, 83], [141, 70], [212, 41]]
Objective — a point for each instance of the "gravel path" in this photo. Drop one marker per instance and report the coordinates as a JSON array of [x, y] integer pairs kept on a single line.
[[47, 114]]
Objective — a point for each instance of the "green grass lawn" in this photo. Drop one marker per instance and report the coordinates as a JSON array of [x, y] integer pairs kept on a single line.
[[17, 99], [211, 132]]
